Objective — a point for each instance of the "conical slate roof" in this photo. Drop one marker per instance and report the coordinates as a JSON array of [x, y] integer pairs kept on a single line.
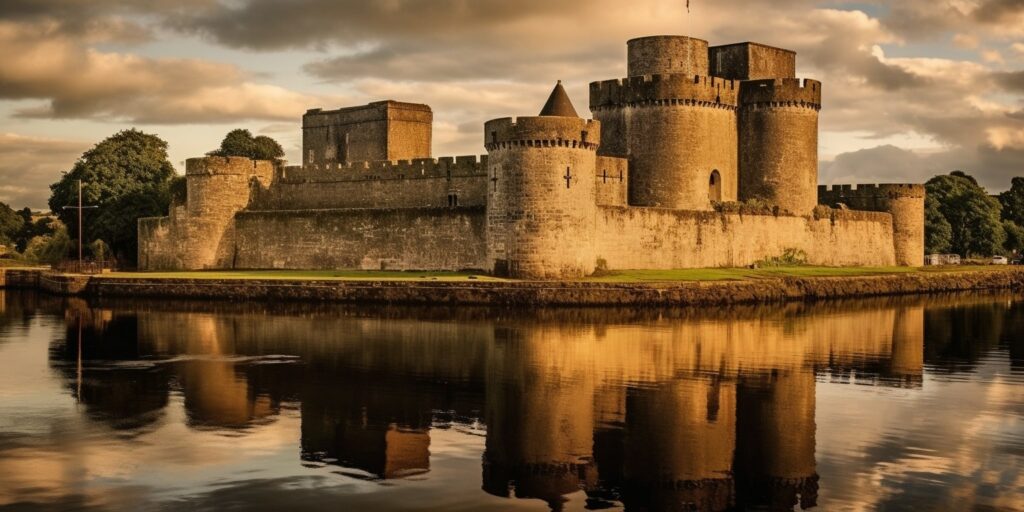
[[558, 104]]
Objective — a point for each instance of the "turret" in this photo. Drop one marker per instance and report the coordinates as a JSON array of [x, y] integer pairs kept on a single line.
[[905, 202], [778, 148], [541, 204], [679, 134], [667, 55], [218, 187]]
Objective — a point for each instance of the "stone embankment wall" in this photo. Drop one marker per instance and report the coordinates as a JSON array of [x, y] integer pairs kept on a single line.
[[395, 239], [655, 238], [555, 293]]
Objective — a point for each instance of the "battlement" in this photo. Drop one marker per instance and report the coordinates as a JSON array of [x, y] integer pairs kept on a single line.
[[781, 92], [703, 91], [837, 193], [563, 132], [444, 167], [227, 166]]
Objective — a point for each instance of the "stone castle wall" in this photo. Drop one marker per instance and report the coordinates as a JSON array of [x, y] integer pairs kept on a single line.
[[377, 239], [906, 204], [656, 238], [612, 183], [450, 181]]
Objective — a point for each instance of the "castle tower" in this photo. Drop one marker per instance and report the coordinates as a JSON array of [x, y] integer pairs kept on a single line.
[[778, 142], [905, 202], [541, 203], [675, 124], [201, 233], [218, 187]]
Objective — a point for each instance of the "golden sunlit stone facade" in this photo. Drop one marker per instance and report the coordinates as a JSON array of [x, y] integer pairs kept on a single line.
[[701, 157]]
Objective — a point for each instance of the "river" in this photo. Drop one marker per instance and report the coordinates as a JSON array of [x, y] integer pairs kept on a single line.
[[882, 404]]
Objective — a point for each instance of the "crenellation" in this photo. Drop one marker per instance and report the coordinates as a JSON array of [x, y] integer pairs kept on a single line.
[[781, 92], [677, 90]]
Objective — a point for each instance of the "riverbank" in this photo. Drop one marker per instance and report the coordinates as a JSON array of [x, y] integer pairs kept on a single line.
[[469, 291]]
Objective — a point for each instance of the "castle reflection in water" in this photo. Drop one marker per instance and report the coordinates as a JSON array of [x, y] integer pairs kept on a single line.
[[655, 410]]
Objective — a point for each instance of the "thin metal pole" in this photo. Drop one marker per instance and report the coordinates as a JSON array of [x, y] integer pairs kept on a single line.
[[80, 225]]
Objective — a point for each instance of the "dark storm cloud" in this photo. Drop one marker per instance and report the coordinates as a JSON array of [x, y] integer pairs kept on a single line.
[[272, 24], [999, 11], [993, 167], [1011, 81]]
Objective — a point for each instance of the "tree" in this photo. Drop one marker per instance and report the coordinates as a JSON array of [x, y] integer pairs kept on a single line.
[[51, 248], [240, 142], [1014, 237], [11, 223], [938, 234], [973, 215], [127, 176], [1013, 202]]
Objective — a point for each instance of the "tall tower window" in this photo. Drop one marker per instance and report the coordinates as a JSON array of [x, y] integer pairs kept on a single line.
[[715, 186]]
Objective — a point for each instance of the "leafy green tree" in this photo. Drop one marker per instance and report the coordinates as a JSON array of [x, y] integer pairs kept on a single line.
[[938, 234], [1014, 237], [1013, 202], [51, 248], [127, 176], [11, 223], [240, 142], [973, 215], [31, 229]]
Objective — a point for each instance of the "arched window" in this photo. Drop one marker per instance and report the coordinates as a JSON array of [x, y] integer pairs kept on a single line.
[[715, 186]]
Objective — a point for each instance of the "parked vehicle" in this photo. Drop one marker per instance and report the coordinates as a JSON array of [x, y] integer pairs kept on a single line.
[[1000, 260]]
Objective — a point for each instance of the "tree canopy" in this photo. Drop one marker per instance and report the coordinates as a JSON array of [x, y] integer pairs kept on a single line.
[[11, 223], [127, 176], [1013, 202], [975, 225], [240, 142]]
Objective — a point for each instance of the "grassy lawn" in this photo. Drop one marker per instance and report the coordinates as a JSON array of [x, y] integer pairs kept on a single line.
[[615, 276], [330, 275], [735, 274]]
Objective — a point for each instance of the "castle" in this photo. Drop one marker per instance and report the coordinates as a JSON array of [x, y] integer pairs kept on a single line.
[[701, 157]]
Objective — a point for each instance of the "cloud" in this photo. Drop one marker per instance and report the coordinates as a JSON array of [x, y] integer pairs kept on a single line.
[[38, 61], [993, 166], [28, 165]]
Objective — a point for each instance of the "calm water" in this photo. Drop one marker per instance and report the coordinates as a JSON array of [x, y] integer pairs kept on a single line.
[[894, 404]]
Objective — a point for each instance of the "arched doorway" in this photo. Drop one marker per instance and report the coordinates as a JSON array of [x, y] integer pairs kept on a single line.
[[715, 186]]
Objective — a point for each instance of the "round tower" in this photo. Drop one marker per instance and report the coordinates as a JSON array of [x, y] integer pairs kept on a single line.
[[679, 133], [778, 134], [218, 187], [906, 204], [541, 204], [667, 55]]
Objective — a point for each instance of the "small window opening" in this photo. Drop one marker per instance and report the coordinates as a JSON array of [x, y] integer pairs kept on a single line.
[[715, 186], [453, 200]]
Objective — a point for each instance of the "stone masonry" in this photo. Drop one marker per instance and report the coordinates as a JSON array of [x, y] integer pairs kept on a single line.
[[702, 156]]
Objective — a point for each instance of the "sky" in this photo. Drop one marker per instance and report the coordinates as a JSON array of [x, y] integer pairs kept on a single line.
[[912, 88]]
